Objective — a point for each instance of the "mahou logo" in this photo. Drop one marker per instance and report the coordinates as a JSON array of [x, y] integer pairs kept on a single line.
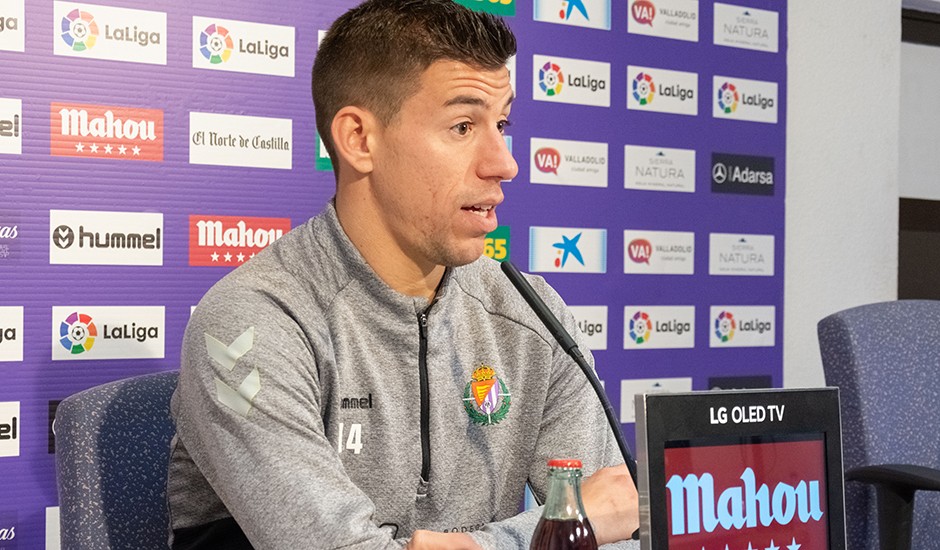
[[99, 131], [231, 240], [759, 494]]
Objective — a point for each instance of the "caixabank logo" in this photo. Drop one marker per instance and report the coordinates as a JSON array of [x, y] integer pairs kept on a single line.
[[12, 25], [567, 250], [676, 19], [9, 428], [11, 134], [564, 80], [99, 131], [107, 332], [658, 327], [11, 333], [726, 495], [742, 174], [83, 237], [242, 46], [658, 169], [742, 326], [105, 32], [231, 240], [566, 162], [662, 90], [743, 99], [594, 14], [592, 322]]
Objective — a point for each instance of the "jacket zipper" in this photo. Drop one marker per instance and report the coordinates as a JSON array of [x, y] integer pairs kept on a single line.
[[425, 397]]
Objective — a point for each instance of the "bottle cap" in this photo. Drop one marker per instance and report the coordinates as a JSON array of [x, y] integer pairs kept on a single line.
[[564, 463]]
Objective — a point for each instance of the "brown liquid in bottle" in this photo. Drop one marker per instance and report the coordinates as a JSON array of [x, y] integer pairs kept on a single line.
[[563, 534], [563, 525]]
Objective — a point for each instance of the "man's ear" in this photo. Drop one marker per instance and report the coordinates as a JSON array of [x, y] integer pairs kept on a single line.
[[353, 135]]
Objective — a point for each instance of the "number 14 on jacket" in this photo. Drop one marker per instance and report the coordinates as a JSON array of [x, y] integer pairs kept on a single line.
[[353, 442]]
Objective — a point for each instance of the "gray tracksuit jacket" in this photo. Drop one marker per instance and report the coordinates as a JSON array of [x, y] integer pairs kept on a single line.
[[321, 409]]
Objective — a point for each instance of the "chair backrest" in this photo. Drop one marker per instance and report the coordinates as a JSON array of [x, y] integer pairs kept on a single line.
[[112, 457], [885, 358]]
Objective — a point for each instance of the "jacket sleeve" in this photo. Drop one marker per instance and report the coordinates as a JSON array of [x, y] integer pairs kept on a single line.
[[573, 426], [247, 411]]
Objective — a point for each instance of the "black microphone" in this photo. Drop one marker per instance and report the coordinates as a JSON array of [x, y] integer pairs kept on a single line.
[[571, 348]]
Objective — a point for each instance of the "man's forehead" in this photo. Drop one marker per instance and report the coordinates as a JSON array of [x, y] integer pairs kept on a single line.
[[461, 84]]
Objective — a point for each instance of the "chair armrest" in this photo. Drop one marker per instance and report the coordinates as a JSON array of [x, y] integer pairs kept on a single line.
[[902, 476]]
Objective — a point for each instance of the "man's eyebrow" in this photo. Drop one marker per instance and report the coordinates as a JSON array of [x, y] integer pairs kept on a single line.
[[475, 101]]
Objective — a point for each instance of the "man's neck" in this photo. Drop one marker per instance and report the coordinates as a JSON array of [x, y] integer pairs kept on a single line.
[[399, 271]]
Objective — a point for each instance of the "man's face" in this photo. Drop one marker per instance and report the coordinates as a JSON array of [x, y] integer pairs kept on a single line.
[[438, 165]]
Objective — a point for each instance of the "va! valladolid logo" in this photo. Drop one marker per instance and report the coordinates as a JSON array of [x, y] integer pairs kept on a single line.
[[675, 19]]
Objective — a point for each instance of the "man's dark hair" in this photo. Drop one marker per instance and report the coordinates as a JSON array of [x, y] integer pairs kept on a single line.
[[373, 55]]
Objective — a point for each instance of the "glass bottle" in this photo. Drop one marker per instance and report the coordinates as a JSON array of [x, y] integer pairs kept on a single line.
[[563, 525]]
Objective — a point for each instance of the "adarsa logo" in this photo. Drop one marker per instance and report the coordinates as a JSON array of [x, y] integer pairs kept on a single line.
[[739, 507], [101, 131], [231, 240]]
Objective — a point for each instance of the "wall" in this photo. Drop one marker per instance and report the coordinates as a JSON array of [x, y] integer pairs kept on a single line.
[[842, 166]]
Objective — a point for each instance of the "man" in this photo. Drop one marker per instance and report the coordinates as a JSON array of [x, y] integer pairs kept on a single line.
[[369, 381]]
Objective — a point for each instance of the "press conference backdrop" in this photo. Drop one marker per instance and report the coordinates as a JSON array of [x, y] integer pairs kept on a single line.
[[147, 150]]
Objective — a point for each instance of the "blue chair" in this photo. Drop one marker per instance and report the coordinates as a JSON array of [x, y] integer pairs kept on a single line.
[[112, 456], [885, 358]]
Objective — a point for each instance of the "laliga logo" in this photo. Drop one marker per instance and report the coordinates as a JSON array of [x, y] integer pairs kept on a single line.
[[9, 23], [640, 327], [728, 98], [643, 88], [215, 44], [738, 507], [79, 30], [643, 12], [77, 333], [551, 79], [724, 326], [640, 251], [547, 160]]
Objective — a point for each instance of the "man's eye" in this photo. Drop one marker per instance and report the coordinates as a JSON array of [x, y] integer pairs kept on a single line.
[[502, 125], [462, 128]]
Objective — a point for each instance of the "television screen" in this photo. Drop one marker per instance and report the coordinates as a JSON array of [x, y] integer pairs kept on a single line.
[[747, 492], [740, 470]]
